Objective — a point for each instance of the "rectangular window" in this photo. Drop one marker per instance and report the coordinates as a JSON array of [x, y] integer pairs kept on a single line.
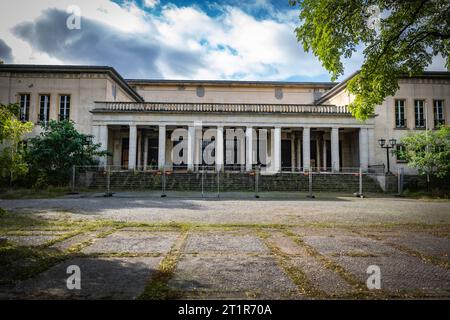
[[24, 104], [44, 108], [64, 107], [419, 113], [400, 156], [400, 121], [438, 110]]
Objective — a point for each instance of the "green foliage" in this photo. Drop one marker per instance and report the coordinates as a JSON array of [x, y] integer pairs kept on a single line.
[[429, 152], [410, 34], [12, 130], [59, 147]]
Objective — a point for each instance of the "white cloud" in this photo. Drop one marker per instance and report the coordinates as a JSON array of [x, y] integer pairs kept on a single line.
[[232, 45], [151, 3]]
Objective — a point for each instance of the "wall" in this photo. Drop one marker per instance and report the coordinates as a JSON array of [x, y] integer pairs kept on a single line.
[[410, 89], [84, 90], [227, 94]]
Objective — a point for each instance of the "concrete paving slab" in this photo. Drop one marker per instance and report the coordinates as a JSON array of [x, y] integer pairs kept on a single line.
[[348, 245], [101, 278], [32, 241], [229, 242], [401, 273], [232, 276], [133, 242]]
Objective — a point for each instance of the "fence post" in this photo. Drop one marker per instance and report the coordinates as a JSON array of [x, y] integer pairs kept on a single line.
[[163, 182], [73, 178], [360, 191], [400, 181], [258, 169], [108, 181], [310, 195], [202, 179], [218, 183]]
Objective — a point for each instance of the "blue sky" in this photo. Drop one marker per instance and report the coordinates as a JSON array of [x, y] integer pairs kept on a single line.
[[183, 39]]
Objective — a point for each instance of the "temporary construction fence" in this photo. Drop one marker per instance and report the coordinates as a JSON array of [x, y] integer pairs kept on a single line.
[[208, 182]]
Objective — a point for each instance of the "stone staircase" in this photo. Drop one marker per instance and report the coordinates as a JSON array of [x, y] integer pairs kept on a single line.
[[230, 181]]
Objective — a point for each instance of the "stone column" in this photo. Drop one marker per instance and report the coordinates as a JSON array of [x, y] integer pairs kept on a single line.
[[219, 149], [277, 151], [249, 148], [191, 148], [145, 151], [162, 147], [363, 149], [103, 140], [306, 149], [335, 165], [132, 147]]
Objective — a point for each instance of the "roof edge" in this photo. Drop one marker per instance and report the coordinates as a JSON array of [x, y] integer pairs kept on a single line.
[[74, 69]]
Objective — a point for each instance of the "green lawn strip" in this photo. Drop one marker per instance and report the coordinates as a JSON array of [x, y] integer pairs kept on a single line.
[[295, 273], [157, 287], [21, 193]]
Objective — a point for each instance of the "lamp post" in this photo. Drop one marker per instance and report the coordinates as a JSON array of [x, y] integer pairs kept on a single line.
[[391, 144]]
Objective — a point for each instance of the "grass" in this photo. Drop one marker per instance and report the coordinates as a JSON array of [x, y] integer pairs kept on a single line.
[[157, 287], [22, 193]]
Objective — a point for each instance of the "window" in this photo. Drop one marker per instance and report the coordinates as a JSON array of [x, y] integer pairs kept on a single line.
[[400, 121], [64, 107], [438, 110], [400, 153], [114, 91], [24, 107], [44, 108], [419, 113], [200, 92], [279, 93]]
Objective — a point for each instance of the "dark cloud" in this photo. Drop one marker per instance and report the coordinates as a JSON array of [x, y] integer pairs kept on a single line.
[[132, 55], [5, 52]]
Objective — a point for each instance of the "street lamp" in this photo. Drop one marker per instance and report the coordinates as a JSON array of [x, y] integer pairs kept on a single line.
[[391, 144]]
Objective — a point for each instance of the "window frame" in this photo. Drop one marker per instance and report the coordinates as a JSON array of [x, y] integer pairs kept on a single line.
[[67, 114], [45, 121], [399, 160], [435, 119], [19, 101], [418, 120], [400, 123]]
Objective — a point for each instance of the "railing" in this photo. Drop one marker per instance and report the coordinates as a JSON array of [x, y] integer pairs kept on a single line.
[[206, 181], [218, 107]]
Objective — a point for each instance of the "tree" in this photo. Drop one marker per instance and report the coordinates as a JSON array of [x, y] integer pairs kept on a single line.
[[59, 147], [12, 130], [409, 34], [428, 151]]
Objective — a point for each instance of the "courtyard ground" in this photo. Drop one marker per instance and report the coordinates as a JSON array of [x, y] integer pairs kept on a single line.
[[141, 246]]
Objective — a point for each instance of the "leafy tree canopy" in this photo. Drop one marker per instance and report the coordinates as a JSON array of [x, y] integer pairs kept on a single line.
[[59, 147], [409, 34], [428, 151], [12, 130]]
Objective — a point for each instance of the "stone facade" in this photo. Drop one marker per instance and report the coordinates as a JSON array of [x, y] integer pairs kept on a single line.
[[307, 125]]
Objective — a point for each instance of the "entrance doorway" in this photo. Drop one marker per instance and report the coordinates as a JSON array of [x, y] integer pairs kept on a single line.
[[286, 152]]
